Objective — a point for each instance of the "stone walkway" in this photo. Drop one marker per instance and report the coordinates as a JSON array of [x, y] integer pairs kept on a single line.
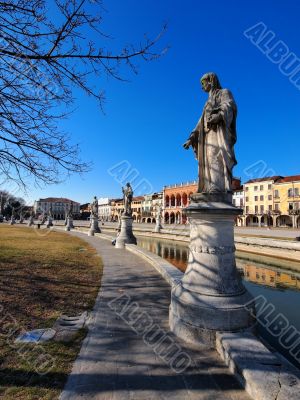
[[129, 352]]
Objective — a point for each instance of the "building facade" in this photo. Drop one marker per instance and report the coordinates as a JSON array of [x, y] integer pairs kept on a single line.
[[105, 208], [175, 198], [287, 201], [150, 204], [59, 206]]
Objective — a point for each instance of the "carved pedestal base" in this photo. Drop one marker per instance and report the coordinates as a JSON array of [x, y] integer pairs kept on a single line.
[[211, 296], [94, 227], [69, 225], [126, 235], [158, 226], [30, 221], [49, 222]]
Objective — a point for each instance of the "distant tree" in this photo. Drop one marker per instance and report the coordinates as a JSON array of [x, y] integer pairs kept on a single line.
[[42, 61], [9, 202]]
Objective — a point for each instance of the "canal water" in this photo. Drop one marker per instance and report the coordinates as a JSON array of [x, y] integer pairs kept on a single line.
[[277, 291]]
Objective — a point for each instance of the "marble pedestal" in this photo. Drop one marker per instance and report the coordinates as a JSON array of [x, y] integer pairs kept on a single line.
[[158, 226], [49, 222], [211, 296], [94, 228], [69, 225], [30, 221], [126, 235]]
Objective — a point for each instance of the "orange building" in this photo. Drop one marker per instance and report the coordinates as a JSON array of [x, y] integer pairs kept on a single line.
[[175, 198]]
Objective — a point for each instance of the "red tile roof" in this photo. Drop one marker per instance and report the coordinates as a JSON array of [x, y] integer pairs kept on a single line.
[[58, 199], [292, 178], [267, 178]]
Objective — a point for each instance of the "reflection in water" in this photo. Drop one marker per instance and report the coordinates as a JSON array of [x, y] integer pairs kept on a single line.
[[177, 254]]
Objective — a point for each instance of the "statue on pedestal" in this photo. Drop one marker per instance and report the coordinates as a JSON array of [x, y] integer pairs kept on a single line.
[[94, 225], [211, 296], [214, 137], [94, 207], [126, 235], [128, 195]]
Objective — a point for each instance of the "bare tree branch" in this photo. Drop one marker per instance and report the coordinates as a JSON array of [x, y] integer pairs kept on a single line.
[[42, 61]]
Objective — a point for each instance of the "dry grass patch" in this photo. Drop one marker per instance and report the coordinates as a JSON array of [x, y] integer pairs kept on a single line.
[[42, 275]]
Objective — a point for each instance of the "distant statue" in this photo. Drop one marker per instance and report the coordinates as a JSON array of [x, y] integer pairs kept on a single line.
[[128, 195], [50, 212], [70, 210], [158, 212], [94, 207], [214, 137]]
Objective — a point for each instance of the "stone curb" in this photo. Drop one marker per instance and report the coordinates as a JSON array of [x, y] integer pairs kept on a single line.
[[264, 375], [280, 244]]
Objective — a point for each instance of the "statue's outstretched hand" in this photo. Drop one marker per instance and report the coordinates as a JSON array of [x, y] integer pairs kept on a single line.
[[187, 144]]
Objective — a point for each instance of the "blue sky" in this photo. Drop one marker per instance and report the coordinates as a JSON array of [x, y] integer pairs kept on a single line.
[[147, 120]]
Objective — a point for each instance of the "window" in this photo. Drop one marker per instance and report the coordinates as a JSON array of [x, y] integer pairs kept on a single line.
[[270, 207], [241, 202], [256, 209], [270, 197], [247, 209], [261, 198], [262, 209], [247, 188], [255, 188], [276, 193], [261, 187], [255, 198], [296, 206], [270, 187], [290, 192], [296, 191], [277, 206], [234, 202], [247, 198]]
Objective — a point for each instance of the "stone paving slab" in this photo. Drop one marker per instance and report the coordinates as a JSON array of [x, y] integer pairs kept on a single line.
[[129, 352]]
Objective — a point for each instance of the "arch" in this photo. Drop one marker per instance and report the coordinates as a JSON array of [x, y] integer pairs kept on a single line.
[[153, 220], [284, 221], [172, 204], [172, 218], [184, 199], [134, 217], [167, 201], [178, 217], [298, 222], [148, 221], [167, 217], [178, 200], [184, 218], [143, 220]]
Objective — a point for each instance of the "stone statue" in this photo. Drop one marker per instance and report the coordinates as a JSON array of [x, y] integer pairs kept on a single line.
[[50, 212], [214, 137], [70, 210], [94, 207], [128, 195]]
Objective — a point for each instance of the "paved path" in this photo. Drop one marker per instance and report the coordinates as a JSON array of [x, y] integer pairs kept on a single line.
[[116, 363]]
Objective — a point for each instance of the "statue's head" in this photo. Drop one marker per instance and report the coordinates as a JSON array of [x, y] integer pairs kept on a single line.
[[128, 184], [210, 81]]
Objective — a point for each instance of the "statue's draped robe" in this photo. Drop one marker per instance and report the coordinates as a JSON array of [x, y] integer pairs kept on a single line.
[[214, 146]]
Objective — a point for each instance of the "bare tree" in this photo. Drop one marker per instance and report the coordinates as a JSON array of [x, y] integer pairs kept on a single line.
[[42, 61]]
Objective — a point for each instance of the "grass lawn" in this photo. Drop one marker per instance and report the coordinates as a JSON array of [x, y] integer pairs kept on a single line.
[[42, 275]]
